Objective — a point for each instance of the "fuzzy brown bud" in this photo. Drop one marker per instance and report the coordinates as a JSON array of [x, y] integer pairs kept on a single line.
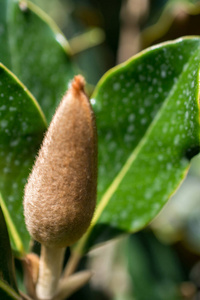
[[60, 195]]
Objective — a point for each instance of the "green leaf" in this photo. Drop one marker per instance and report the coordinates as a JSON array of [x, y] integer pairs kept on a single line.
[[155, 270], [34, 49], [7, 273], [7, 293], [148, 130], [22, 126]]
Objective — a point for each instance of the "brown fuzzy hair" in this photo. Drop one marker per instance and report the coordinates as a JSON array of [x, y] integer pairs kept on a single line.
[[60, 195]]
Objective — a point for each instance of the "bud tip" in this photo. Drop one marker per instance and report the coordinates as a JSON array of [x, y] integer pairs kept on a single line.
[[78, 83]]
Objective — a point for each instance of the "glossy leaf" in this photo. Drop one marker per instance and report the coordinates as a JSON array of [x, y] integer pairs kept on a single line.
[[22, 126], [34, 49], [7, 273], [148, 129]]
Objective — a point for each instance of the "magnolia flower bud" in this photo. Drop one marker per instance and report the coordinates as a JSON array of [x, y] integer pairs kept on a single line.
[[60, 195]]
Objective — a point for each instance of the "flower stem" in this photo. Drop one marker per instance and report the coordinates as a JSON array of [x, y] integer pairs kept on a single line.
[[51, 262]]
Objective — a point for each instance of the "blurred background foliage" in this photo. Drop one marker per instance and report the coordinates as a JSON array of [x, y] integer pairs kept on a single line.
[[162, 261]]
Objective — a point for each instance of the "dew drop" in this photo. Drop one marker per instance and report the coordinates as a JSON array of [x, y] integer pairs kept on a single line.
[[6, 170], [131, 117], [143, 121], [176, 139], [116, 86], [15, 185], [141, 111], [4, 123], [17, 162], [148, 194], [11, 198], [14, 143], [160, 157], [163, 74], [169, 166], [3, 107], [12, 108], [131, 128]]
